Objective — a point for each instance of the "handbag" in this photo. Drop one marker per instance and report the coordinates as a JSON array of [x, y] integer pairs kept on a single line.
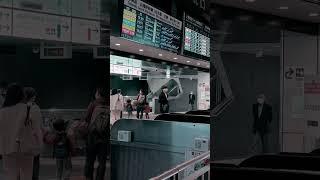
[[28, 141]]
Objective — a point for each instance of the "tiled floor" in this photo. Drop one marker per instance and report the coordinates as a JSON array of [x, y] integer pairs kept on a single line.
[[47, 169]]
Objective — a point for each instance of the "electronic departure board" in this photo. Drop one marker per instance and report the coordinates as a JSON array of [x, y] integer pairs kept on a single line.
[[196, 37], [147, 25]]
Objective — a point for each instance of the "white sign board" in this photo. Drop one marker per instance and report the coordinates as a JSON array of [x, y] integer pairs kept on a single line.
[[6, 3], [41, 26], [312, 112], [5, 21], [60, 7], [85, 31], [90, 9]]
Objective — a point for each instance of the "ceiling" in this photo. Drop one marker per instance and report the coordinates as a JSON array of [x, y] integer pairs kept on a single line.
[[120, 44], [304, 10]]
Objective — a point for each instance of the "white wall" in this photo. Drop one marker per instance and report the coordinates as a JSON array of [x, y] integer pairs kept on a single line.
[[299, 50]]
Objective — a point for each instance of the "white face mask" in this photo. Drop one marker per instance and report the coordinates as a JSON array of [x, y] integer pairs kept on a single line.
[[260, 100]]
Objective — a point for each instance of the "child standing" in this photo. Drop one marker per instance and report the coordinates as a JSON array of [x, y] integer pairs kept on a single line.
[[147, 110], [62, 150], [129, 108]]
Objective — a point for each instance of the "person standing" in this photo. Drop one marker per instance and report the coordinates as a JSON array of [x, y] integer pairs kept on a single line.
[[20, 134], [192, 99], [30, 98], [98, 121], [3, 91], [262, 115], [163, 100], [141, 101], [116, 105]]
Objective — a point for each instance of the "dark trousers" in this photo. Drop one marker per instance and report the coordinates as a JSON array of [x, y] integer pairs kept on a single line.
[[164, 108], [100, 152], [36, 167], [64, 168], [140, 110], [260, 143]]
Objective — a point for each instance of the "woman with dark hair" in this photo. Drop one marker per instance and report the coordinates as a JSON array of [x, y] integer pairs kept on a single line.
[[20, 134], [97, 140]]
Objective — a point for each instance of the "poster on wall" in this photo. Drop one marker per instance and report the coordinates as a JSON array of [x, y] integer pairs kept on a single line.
[[293, 105], [204, 96], [5, 22], [312, 112]]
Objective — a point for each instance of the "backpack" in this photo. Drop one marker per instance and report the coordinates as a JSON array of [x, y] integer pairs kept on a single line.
[[100, 124], [61, 147]]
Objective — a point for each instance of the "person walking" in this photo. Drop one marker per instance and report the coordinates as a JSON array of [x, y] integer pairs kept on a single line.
[[20, 134], [141, 101], [98, 136], [163, 100]]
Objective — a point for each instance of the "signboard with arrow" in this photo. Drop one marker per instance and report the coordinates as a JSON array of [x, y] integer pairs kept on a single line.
[[294, 73], [86, 31]]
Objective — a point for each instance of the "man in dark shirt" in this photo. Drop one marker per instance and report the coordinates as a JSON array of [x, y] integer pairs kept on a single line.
[[262, 115]]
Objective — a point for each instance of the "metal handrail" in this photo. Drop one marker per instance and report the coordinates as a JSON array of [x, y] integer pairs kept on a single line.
[[200, 173], [174, 171]]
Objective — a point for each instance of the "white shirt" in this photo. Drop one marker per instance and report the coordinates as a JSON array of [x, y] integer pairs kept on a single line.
[[12, 120]]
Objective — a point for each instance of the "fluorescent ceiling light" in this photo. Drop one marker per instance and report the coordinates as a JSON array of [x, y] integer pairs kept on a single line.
[[283, 7], [117, 44], [313, 14]]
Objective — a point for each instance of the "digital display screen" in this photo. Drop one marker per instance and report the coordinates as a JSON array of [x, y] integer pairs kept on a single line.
[[196, 37], [147, 25]]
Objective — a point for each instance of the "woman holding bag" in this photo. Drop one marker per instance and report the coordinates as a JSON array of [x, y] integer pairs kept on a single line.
[[20, 134]]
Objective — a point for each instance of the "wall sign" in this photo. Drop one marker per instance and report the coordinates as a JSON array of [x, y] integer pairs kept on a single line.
[[41, 26], [85, 31]]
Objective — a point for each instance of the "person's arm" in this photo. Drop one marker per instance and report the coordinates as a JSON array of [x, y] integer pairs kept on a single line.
[[36, 118], [254, 130], [89, 112]]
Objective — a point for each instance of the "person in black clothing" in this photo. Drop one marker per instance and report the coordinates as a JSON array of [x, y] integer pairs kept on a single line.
[[163, 100], [141, 102], [262, 114], [192, 99]]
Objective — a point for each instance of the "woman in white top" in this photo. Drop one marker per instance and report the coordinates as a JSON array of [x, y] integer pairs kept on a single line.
[[116, 105], [20, 134]]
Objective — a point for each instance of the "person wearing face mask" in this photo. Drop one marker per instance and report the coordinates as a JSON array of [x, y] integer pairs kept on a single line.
[[262, 114], [3, 92], [163, 100]]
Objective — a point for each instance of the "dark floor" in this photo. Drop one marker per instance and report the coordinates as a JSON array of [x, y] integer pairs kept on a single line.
[[47, 169]]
